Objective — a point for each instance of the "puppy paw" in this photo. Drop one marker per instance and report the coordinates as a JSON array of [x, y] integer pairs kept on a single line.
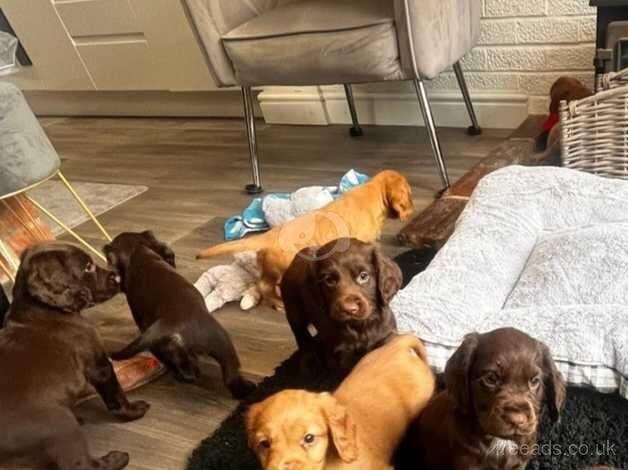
[[113, 461], [134, 410], [241, 387]]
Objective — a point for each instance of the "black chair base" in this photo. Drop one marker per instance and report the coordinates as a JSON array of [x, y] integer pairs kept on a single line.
[[253, 189], [473, 130]]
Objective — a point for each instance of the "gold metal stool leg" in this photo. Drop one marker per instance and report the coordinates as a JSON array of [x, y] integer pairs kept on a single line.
[[78, 238], [8, 256], [83, 205]]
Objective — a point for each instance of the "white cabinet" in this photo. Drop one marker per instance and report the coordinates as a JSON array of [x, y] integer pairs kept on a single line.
[[108, 45]]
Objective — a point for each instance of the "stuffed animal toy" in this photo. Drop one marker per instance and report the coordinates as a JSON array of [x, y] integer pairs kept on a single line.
[[230, 282]]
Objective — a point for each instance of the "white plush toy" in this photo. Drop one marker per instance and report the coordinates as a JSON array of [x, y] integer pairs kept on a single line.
[[230, 282], [279, 210]]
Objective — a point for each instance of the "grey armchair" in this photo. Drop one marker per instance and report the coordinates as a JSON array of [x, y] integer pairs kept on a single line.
[[316, 42]]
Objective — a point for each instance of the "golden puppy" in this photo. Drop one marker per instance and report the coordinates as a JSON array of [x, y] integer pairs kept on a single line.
[[359, 427], [359, 213]]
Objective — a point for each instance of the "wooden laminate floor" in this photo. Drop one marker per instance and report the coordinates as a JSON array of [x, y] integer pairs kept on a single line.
[[195, 169]]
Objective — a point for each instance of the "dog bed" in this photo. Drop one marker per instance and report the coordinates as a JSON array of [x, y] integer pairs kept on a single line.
[[541, 249]]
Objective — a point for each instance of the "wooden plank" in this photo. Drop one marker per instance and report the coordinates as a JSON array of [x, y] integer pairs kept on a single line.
[[434, 225]]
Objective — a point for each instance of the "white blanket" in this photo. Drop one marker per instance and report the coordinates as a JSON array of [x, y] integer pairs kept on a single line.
[[541, 249]]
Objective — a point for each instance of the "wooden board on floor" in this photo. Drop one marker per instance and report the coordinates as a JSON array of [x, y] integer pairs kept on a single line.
[[195, 170], [434, 225]]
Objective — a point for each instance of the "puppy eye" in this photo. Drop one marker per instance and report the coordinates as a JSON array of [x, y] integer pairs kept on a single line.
[[90, 268], [264, 444], [329, 279], [491, 379], [309, 439], [535, 381], [362, 278]]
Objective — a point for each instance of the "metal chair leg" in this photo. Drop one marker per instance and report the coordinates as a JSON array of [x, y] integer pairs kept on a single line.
[[356, 130], [76, 236], [249, 124], [474, 128], [10, 274], [8, 255], [83, 205], [426, 111]]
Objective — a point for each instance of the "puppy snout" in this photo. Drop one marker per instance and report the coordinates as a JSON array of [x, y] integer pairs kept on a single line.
[[520, 416], [286, 464], [352, 305]]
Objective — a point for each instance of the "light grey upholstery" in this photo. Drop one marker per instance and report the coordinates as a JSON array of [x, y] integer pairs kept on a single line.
[[434, 34], [318, 42], [26, 155], [312, 42]]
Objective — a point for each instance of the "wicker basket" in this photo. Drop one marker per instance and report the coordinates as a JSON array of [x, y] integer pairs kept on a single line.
[[594, 130]]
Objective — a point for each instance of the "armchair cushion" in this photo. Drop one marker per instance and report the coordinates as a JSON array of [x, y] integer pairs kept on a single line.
[[213, 18], [316, 42]]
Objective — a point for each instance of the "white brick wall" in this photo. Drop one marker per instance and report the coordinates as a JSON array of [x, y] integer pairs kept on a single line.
[[526, 44]]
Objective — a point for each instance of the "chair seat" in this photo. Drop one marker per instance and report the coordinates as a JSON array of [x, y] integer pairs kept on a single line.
[[27, 156], [317, 42]]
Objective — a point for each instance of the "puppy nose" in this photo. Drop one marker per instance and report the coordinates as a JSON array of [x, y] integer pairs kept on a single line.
[[291, 465], [286, 464], [517, 419], [518, 414], [114, 278], [352, 306]]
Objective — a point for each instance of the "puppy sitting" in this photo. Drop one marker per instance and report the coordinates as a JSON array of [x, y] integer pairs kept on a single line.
[[359, 427], [488, 415], [49, 354], [342, 290], [171, 314]]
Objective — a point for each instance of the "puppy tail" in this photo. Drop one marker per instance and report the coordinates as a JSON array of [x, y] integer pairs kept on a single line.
[[253, 243]]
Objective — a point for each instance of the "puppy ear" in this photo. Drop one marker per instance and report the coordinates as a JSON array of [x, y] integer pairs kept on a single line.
[[166, 253], [250, 422], [400, 197], [458, 369], [149, 234], [554, 384], [159, 247], [112, 258], [50, 282], [389, 276], [342, 428], [299, 286]]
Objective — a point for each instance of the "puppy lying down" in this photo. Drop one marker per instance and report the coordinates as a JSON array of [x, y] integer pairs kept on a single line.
[[49, 354], [171, 314], [358, 427]]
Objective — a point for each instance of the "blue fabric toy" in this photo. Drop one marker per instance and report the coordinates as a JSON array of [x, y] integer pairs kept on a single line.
[[278, 208]]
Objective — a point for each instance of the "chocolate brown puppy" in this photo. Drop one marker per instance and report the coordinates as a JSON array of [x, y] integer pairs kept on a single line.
[[341, 291], [49, 354], [171, 314], [487, 416]]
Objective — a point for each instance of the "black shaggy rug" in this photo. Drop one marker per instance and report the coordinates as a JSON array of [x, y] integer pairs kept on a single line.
[[593, 429]]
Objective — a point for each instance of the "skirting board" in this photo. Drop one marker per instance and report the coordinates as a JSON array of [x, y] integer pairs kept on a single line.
[[223, 103], [320, 107]]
